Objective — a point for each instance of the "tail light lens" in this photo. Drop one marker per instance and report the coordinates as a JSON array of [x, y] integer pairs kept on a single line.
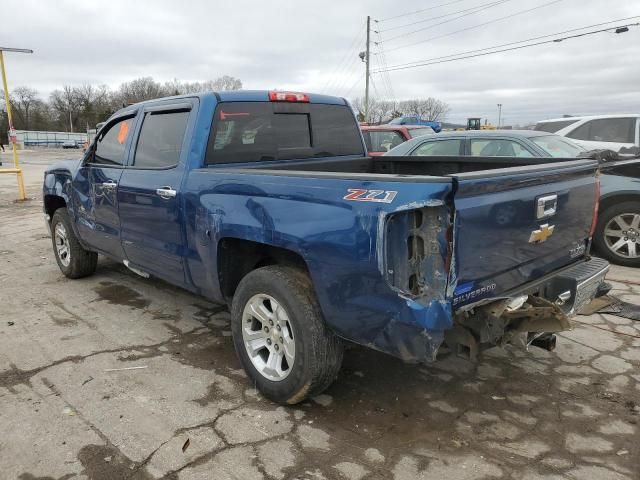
[[288, 97], [596, 208]]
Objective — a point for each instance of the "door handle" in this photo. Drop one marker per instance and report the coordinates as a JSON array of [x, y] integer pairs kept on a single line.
[[110, 184], [166, 192]]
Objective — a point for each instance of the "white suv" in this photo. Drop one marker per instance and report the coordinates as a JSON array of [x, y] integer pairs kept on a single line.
[[612, 132]]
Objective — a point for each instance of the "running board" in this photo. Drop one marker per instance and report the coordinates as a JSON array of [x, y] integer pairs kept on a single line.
[[135, 270]]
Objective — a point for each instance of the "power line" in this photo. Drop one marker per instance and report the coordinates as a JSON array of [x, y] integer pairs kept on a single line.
[[382, 59], [475, 26], [435, 60], [486, 7], [358, 79], [430, 19], [345, 60], [418, 11], [518, 42]]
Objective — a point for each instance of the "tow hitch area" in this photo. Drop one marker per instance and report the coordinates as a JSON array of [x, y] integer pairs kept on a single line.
[[523, 320]]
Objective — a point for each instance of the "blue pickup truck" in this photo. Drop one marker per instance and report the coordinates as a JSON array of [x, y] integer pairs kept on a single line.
[[268, 201]]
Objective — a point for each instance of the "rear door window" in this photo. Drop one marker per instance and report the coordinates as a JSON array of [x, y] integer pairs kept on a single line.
[[160, 140], [483, 147], [439, 148], [381, 141], [259, 131]]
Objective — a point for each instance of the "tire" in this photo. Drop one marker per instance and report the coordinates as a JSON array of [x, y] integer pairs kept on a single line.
[[73, 260], [317, 352], [628, 214]]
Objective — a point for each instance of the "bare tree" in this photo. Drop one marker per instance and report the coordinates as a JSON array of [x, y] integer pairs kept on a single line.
[[76, 107], [23, 100], [427, 109], [383, 111], [65, 105], [138, 90], [227, 82]]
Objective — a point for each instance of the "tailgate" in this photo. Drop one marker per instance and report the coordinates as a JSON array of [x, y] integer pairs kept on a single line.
[[515, 225]]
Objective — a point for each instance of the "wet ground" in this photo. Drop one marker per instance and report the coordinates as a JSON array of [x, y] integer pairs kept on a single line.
[[116, 376]]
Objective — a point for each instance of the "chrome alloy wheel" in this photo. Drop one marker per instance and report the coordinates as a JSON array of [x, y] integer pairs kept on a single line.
[[268, 337], [62, 244], [622, 235]]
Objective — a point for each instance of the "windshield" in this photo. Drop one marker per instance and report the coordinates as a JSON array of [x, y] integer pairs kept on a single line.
[[557, 147]]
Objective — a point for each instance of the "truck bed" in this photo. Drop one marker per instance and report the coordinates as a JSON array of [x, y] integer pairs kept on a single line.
[[403, 166]]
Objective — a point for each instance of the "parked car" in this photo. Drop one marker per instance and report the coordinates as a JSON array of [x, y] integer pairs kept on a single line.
[[413, 120], [382, 138], [267, 201], [617, 236], [70, 144], [612, 132]]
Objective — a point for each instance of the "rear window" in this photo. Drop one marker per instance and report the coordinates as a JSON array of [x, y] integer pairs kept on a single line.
[[553, 127], [255, 131], [381, 140]]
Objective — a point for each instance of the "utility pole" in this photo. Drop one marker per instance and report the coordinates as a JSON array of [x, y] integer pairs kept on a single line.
[[499, 114], [366, 88]]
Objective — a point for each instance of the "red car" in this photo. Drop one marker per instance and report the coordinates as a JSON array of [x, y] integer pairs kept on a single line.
[[382, 138]]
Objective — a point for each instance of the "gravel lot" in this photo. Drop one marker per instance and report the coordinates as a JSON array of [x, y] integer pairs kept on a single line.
[[115, 376]]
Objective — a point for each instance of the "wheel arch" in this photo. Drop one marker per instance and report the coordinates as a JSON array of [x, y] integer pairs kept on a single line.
[[237, 257], [53, 203]]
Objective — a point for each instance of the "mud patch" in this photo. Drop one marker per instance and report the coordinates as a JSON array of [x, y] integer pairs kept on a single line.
[[28, 476], [117, 294], [103, 462], [198, 349], [204, 312]]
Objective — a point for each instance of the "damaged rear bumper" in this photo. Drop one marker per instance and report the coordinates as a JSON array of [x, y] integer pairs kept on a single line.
[[530, 314]]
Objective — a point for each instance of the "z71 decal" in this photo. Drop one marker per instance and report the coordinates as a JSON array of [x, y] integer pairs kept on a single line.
[[362, 195]]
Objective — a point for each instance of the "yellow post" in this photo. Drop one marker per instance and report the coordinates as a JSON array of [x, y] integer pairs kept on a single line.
[[22, 195]]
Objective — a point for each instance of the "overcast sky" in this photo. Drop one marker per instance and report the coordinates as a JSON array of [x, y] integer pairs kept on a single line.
[[313, 46]]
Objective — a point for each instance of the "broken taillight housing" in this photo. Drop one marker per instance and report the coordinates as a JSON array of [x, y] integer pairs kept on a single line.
[[596, 208]]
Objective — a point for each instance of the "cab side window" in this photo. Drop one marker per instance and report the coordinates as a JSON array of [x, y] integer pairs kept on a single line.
[[498, 148], [160, 141], [438, 148], [110, 146]]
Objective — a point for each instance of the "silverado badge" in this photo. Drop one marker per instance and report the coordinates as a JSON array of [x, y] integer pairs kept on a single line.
[[541, 235]]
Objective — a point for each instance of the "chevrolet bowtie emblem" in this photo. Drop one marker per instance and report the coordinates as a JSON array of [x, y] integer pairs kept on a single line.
[[539, 236]]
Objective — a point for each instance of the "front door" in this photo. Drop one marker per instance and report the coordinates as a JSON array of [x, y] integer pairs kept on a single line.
[[97, 204], [149, 195]]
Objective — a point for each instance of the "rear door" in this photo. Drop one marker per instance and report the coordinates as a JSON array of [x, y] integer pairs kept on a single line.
[[97, 211], [149, 195], [515, 225]]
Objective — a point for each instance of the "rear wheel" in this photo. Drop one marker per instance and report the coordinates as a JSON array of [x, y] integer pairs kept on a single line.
[[617, 236], [73, 260], [280, 336]]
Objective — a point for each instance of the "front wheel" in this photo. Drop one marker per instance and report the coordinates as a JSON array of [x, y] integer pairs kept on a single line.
[[280, 336], [617, 236], [73, 260]]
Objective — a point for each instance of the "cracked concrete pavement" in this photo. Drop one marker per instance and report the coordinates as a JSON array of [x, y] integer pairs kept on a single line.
[[73, 405]]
